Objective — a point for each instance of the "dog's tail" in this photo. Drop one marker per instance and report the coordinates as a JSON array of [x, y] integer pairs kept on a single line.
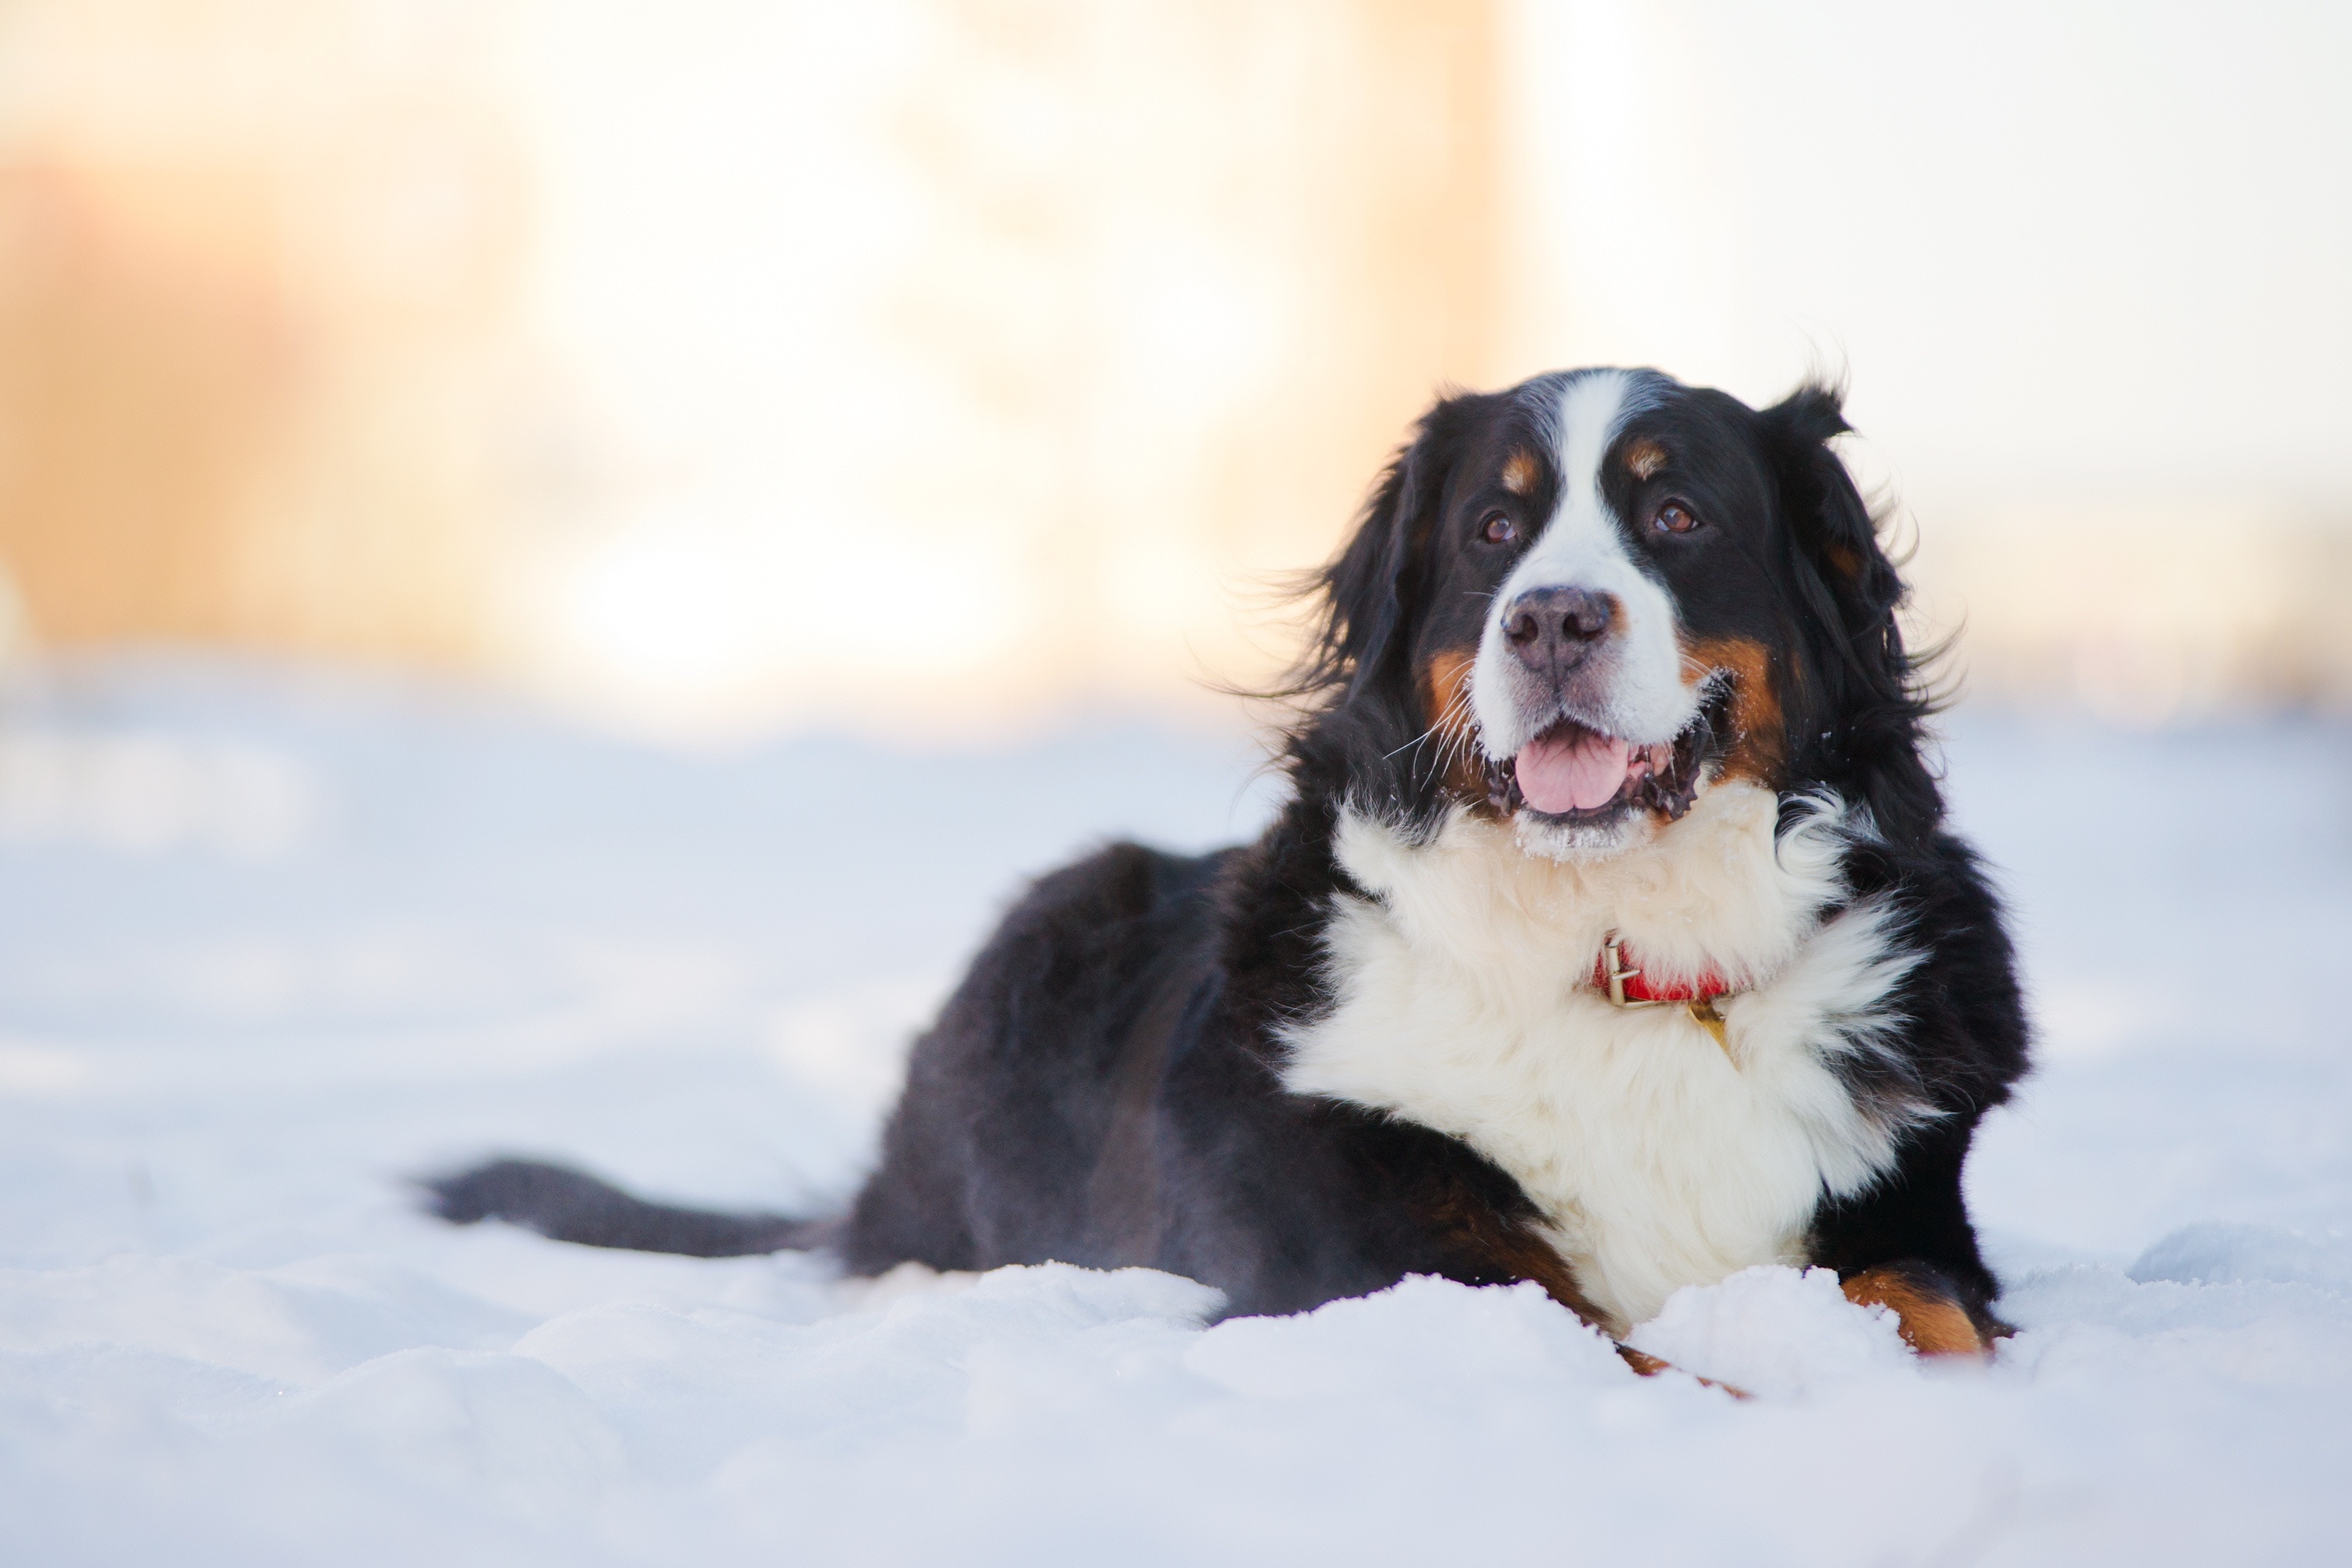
[[572, 1206]]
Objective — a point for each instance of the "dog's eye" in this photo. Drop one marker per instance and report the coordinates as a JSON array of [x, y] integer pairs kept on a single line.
[[1499, 529], [1675, 517]]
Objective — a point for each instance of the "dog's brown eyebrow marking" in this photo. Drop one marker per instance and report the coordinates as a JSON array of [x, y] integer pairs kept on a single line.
[[1519, 473], [1646, 458]]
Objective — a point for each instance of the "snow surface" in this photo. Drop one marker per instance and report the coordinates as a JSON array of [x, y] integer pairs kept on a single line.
[[269, 944]]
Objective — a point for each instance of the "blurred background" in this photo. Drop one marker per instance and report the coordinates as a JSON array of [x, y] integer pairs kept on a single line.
[[927, 366]]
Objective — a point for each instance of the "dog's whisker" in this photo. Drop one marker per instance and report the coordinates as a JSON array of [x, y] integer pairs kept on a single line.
[[1416, 741]]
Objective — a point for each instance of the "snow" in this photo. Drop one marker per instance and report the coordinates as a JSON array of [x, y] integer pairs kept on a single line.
[[271, 943]]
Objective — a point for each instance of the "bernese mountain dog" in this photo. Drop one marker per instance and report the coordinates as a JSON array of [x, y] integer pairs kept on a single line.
[[1609, 938]]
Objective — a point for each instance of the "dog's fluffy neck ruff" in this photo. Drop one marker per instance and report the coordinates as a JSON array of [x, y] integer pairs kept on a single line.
[[1714, 892], [1462, 1002]]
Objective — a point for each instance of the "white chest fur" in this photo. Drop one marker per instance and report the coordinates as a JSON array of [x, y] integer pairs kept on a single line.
[[1464, 1003]]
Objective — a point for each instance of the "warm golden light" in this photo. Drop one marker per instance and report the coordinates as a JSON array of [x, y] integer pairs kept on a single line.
[[718, 365]]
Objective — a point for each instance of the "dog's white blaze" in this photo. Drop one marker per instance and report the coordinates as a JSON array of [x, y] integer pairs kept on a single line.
[[1582, 547], [1464, 1003]]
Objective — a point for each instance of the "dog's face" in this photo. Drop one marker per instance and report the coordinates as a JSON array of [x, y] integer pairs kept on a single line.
[[1604, 591]]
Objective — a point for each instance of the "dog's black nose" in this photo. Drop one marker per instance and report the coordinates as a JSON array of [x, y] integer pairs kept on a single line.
[[1552, 626]]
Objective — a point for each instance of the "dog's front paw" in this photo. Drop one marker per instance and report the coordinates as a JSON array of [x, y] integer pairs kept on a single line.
[[1929, 1312], [1648, 1365]]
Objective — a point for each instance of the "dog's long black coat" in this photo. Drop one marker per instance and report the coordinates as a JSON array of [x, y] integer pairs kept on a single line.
[[1103, 1089]]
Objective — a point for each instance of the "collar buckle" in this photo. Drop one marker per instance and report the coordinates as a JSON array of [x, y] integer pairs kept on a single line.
[[1701, 1004], [1613, 974]]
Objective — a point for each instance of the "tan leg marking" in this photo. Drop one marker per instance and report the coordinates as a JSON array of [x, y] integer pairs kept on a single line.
[[1930, 1322], [1648, 1365]]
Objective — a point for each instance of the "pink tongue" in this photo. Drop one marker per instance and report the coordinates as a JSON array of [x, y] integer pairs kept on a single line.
[[1571, 770]]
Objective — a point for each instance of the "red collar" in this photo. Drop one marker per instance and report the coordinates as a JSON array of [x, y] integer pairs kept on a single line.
[[1616, 975]]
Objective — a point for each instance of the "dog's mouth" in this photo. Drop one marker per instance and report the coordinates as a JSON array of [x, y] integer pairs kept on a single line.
[[1576, 773]]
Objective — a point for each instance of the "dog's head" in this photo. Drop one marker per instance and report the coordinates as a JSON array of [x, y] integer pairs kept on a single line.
[[1580, 603]]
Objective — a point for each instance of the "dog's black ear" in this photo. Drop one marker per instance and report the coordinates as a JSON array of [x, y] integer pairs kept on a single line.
[[1867, 733], [1369, 588], [1832, 523], [1851, 584]]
